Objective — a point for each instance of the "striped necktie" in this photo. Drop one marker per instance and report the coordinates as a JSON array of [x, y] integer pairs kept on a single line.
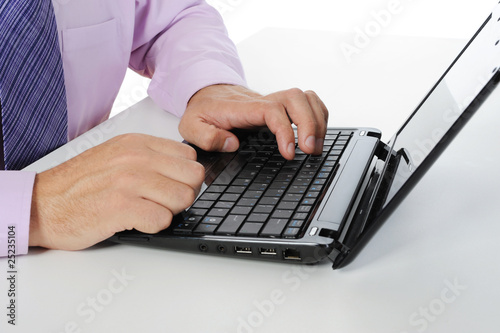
[[32, 95]]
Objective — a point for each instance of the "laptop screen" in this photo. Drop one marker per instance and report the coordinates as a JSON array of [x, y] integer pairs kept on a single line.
[[446, 102]]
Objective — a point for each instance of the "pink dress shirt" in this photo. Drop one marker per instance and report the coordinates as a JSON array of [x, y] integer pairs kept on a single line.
[[181, 44]]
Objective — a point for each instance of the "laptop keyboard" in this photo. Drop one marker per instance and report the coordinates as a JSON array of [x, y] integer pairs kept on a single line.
[[261, 194]]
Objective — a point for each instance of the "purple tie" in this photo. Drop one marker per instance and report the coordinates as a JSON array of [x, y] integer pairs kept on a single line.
[[32, 95]]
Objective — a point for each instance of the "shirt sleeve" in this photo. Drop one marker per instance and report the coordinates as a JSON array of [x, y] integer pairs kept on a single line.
[[183, 46], [16, 189]]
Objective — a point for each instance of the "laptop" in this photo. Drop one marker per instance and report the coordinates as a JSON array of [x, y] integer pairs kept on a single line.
[[254, 204]]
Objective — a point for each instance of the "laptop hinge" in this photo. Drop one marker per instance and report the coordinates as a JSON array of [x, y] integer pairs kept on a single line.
[[339, 251], [382, 151]]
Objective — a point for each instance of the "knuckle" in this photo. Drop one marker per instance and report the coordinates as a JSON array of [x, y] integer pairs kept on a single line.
[[158, 220], [311, 93], [186, 197], [208, 140], [294, 93], [198, 172], [189, 152]]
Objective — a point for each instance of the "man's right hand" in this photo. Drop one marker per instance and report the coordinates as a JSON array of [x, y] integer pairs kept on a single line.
[[132, 181]]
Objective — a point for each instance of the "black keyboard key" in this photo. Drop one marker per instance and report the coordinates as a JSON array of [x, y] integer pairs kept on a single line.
[[224, 204], [296, 223], [241, 210], [300, 216], [247, 202], [253, 194], [275, 164], [279, 185], [269, 201], [206, 229], [255, 217], [258, 187], [275, 193], [297, 189], [301, 182], [316, 188], [319, 182], [269, 171], [293, 163], [216, 189], [304, 209], [230, 225], [183, 227], [308, 201], [211, 220], [335, 152], [263, 209], [293, 197], [218, 212], [306, 174], [209, 196], [291, 170], [250, 229], [282, 214], [274, 228], [192, 219], [328, 142], [203, 204], [284, 177], [248, 174], [291, 232], [236, 189], [312, 194], [197, 211], [241, 182], [264, 179], [232, 197], [288, 205]]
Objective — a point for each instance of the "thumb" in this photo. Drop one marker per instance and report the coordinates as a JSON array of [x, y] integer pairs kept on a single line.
[[209, 137]]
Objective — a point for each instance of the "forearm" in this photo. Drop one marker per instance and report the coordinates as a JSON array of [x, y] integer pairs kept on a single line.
[[16, 188]]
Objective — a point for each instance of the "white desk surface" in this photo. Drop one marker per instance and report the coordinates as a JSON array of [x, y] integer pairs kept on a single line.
[[444, 233]]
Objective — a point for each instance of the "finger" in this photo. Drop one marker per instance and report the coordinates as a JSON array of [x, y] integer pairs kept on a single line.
[[320, 112], [278, 122], [169, 193], [208, 136], [300, 112], [148, 216], [179, 169], [160, 145]]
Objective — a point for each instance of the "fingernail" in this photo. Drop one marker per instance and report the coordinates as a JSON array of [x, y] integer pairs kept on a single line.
[[311, 142], [230, 145], [291, 149]]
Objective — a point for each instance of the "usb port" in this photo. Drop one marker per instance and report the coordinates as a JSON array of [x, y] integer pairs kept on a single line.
[[267, 252], [291, 254], [243, 249]]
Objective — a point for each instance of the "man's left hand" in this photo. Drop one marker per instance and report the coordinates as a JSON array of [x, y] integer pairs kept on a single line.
[[216, 109]]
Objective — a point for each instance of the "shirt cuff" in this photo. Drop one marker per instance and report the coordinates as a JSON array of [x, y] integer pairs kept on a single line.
[[197, 76], [16, 190]]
